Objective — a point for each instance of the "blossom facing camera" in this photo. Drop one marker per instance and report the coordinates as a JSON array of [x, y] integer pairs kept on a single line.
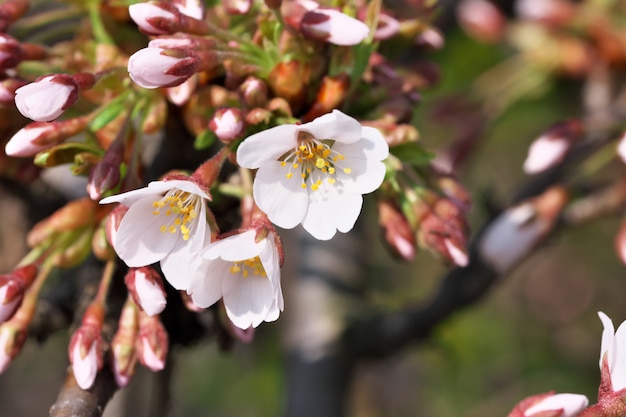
[[315, 173], [334, 27], [246, 274], [47, 98], [167, 222], [550, 404], [152, 68]]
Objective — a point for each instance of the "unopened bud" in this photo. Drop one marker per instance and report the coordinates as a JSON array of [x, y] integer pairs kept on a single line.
[[74, 215], [85, 347], [38, 136], [227, 124], [481, 20], [253, 92], [287, 80], [430, 38], [146, 287], [456, 192], [10, 51], [513, 234], [191, 8], [398, 234], [553, 12], [7, 90], [105, 176], [443, 231], [550, 404], [621, 147], [152, 343], [333, 26], [123, 351], [551, 147], [142, 13], [387, 27], [331, 95], [258, 116], [180, 94], [162, 18], [100, 245], [10, 11], [12, 288], [48, 97]]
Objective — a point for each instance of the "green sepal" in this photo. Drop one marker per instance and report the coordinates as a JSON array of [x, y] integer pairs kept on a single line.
[[204, 140], [65, 154]]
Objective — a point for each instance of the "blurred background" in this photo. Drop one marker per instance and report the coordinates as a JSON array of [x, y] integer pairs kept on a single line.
[[535, 330]]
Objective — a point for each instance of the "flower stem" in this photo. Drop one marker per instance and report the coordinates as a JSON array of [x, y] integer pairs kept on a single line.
[[99, 31]]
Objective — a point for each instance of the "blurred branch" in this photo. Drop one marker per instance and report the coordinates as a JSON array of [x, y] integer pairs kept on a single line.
[[75, 402]]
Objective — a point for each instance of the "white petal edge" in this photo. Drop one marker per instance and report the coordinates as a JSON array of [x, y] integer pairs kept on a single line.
[[335, 126], [268, 145]]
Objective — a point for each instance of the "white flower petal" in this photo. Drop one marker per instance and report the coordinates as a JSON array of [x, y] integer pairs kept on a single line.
[[139, 241], [182, 267], [235, 248], [335, 126], [282, 199], [618, 370], [247, 300], [85, 369], [267, 145], [571, 404], [365, 175], [331, 210], [608, 340], [151, 296], [207, 290]]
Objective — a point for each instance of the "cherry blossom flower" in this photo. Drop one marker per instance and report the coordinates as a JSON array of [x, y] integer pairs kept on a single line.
[[315, 173], [334, 27], [246, 274], [612, 351], [166, 222], [47, 98]]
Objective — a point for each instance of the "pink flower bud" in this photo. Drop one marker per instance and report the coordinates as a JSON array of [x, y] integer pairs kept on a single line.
[[180, 94], [152, 68], [85, 348], [10, 11], [387, 27], [550, 404], [152, 343], [123, 351], [38, 136], [141, 13], [191, 8], [548, 11], [334, 27], [146, 287], [254, 92], [47, 98], [84, 365], [398, 234], [551, 147], [227, 124], [106, 175], [12, 288], [481, 20]]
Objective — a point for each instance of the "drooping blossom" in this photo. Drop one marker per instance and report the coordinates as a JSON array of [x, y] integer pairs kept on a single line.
[[46, 98], [612, 354], [333, 26], [246, 274], [315, 173], [166, 222], [550, 404]]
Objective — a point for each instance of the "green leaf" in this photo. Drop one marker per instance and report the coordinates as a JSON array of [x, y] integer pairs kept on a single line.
[[110, 112], [204, 140], [412, 153], [65, 154]]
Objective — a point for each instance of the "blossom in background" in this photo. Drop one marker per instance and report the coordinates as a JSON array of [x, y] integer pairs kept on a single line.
[[315, 173], [550, 404], [227, 124], [246, 274], [549, 149], [612, 354], [46, 98], [334, 27], [166, 222]]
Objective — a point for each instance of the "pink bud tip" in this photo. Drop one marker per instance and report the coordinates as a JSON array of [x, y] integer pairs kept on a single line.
[[147, 67], [85, 369], [142, 12], [334, 27], [150, 358], [46, 99]]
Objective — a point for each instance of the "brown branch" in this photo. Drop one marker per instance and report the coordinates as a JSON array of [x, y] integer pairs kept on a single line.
[[76, 402]]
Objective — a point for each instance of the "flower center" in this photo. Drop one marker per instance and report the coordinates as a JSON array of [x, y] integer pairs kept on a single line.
[[180, 211], [315, 160], [244, 268]]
